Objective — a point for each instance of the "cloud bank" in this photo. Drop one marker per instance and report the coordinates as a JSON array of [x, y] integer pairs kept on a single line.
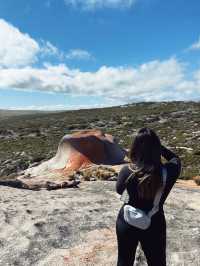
[[152, 81]]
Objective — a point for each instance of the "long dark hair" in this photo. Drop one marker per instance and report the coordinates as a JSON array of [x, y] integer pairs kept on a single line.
[[145, 155]]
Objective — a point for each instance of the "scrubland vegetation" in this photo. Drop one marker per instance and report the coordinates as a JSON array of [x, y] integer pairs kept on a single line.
[[28, 138]]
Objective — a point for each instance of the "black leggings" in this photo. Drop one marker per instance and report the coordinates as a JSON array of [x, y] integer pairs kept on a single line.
[[152, 240]]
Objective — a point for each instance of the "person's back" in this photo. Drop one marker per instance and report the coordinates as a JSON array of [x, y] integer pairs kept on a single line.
[[142, 180]]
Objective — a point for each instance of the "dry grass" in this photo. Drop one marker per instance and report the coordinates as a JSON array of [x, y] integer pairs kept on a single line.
[[98, 173], [197, 180]]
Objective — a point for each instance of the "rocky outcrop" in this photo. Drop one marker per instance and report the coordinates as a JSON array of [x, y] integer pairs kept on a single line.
[[80, 150], [79, 156]]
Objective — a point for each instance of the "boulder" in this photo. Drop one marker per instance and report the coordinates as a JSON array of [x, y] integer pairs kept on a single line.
[[78, 151]]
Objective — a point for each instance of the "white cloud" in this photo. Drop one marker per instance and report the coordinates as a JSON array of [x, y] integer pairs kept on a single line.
[[16, 48], [38, 107], [58, 107], [195, 46], [79, 54], [48, 49], [96, 4], [152, 81]]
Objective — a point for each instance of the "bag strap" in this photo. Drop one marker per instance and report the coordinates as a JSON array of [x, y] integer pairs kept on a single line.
[[158, 196]]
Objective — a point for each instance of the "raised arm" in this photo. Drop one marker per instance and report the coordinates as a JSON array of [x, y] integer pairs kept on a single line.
[[174, 163], [121, 179], [173, 167]]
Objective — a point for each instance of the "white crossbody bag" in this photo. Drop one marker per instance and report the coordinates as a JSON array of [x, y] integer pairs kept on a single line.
[[137, 217]]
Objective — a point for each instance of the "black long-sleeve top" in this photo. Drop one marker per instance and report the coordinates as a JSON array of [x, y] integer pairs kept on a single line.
[[173, 167]]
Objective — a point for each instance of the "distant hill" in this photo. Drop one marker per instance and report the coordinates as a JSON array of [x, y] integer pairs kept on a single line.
[[10, 113]]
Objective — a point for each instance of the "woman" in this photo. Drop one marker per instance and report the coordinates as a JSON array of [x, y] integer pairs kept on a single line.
[[142, 180]]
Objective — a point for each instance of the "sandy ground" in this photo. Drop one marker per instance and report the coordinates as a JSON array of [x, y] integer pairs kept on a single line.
[[77, 226]]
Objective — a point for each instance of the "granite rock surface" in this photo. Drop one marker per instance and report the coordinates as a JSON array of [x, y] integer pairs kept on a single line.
[[76, 226]]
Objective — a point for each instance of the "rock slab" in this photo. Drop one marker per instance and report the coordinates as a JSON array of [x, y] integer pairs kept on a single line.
[[76, 226]]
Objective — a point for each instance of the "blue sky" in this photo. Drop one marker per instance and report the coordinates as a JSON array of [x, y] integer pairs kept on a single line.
[[68, 54]]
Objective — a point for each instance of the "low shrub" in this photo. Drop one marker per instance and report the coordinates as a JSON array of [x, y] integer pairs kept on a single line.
[[197, 180]]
